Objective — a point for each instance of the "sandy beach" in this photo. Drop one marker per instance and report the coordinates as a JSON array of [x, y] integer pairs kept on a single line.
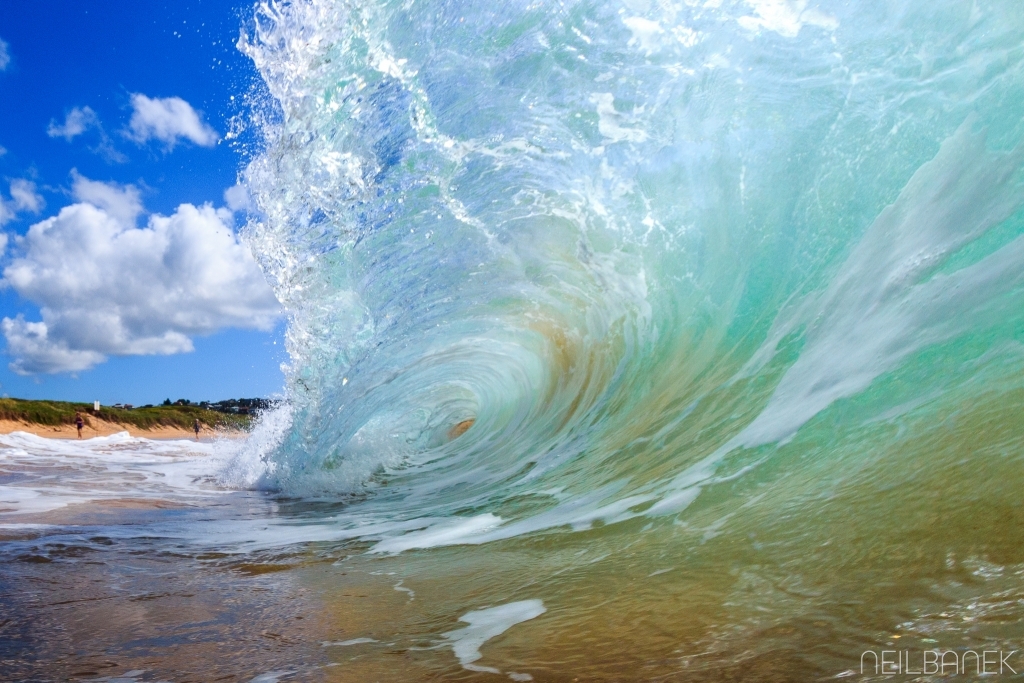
[[99, 427]]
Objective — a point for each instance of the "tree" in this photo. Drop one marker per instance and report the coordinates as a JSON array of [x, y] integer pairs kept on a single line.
[[167, 402]]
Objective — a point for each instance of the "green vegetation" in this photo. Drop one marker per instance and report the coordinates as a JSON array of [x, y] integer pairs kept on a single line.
[[63, 412]]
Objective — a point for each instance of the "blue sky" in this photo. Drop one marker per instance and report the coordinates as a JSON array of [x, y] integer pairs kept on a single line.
[[113, 118]]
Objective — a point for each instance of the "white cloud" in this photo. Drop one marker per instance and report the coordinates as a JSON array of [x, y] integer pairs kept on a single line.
[[3, 150], [5, 55], [24, 198], [76, 122], [237, 198], [81, 120], [105, 287], [121, 202], [30, 340], [168, 119]]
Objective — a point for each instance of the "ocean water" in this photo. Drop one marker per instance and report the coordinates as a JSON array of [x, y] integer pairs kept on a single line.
[[628, 341]]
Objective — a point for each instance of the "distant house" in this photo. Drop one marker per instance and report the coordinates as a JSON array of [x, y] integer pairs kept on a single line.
[[239, 406]]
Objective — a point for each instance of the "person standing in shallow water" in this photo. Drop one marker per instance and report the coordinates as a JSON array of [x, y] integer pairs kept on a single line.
[[196, 428], [79, 423]]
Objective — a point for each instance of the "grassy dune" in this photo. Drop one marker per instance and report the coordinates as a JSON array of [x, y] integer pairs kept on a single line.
[[62, 412]]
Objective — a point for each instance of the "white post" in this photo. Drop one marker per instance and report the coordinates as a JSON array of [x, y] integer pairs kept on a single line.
[[96, 406]]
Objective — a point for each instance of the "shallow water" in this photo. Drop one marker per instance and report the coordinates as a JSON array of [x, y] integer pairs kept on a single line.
[[730, 292]]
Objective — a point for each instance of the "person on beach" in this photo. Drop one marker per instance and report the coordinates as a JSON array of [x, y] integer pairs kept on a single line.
[[79, 423], [196, 428]]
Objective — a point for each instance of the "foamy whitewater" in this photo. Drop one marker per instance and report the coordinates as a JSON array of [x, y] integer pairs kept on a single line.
[[730, 295]]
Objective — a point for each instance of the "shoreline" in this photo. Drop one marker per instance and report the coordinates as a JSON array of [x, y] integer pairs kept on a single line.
[[104, 428]]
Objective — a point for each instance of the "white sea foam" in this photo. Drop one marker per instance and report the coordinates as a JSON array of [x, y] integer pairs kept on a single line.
[[51, 473], [488, 623], [447, 532], [347, 643], [251, 460], [271, 676], [786, 17], [133, 676]]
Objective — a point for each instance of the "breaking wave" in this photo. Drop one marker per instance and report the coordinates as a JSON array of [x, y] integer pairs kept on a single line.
[[558, 265]]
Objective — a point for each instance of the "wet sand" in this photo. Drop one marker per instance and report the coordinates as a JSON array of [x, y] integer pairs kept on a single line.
[[110, 608], [104, 428]]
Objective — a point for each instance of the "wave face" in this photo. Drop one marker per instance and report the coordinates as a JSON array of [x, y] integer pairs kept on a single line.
[[734, 288]]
